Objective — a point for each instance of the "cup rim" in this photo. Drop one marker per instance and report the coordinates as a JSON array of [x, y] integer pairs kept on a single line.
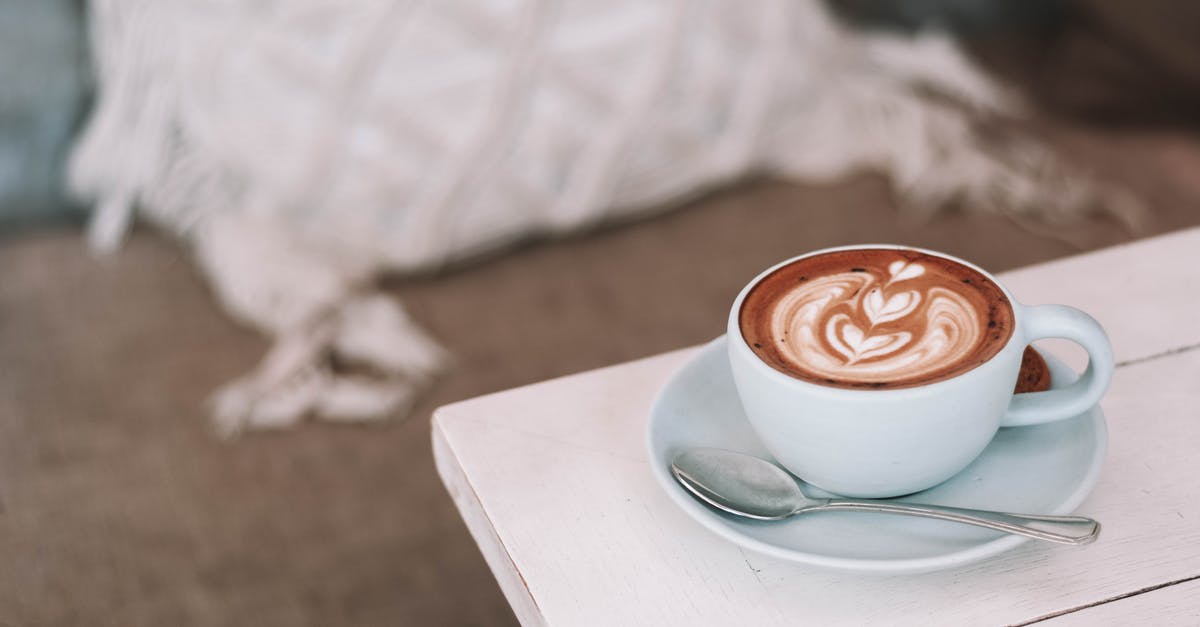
[[734, 328]]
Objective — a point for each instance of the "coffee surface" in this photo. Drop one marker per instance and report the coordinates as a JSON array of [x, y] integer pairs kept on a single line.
[[875, 318], [1034, 375]]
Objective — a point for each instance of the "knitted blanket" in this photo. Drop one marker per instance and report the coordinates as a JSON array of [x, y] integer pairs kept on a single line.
[[303, 147]]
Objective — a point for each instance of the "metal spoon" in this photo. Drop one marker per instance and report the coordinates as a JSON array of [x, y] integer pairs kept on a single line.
[[755, 488]]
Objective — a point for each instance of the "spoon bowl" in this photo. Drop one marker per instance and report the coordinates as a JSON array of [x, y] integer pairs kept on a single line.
[[738, 483]]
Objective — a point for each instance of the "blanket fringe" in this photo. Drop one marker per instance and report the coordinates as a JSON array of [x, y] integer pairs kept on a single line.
[[341, 352], [363, 361]]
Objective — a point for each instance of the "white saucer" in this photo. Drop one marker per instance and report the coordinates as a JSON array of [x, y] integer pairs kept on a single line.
[[1046, 469]]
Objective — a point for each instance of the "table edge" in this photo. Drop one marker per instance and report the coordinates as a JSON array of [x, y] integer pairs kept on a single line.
[[454, 477]]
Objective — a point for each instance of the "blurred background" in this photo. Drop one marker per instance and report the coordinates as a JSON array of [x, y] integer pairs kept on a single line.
[[120, 504]]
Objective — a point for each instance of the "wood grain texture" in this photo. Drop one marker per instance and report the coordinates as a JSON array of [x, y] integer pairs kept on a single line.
[[1177, 604], [559, 471]]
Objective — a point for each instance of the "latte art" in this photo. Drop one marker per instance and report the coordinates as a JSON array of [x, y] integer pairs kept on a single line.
[[855, 325], [875, 318]]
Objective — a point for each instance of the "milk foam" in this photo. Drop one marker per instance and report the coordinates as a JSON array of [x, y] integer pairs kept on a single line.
[[875, 324]]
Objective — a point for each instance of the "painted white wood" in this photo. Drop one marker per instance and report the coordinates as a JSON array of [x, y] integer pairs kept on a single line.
[[1174, 605], [559, 474], [494, 553], [1145, 293]]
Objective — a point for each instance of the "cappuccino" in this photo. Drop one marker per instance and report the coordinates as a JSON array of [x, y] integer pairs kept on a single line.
[[875, 318]]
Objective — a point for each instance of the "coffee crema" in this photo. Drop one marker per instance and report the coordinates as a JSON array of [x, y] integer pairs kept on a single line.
[[875, 318]]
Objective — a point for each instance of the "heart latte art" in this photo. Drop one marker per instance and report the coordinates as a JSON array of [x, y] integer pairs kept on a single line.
[[875, 318]]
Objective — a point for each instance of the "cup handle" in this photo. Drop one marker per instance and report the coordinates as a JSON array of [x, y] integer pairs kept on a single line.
[[1060, 321]]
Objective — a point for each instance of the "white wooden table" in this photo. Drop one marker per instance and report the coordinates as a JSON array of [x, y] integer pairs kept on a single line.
[[554, 484]]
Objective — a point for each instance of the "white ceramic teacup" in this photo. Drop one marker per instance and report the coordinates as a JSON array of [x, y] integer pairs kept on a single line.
[[883, 443]]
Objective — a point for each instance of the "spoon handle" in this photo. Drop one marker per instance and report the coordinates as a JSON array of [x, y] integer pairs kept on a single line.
[[1060, 529]]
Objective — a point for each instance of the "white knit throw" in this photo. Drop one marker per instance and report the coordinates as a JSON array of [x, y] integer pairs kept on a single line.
[[303, 146]]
